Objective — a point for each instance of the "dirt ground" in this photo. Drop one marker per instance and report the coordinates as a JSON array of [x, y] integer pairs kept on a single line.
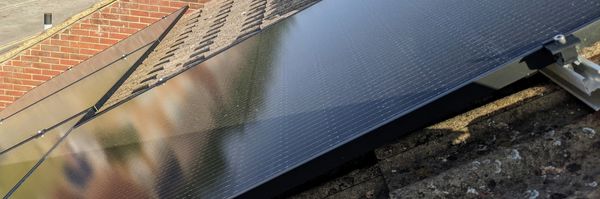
[[537, 143]]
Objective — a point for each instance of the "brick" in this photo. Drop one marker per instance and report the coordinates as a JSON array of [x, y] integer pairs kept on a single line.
[[147, 20], [69, 37], [167, 9], [90, 26], [49, 60], [21, 87], [149, 8], [68, 62], [139, 13], [164, 3], [32, 71], [56, 42], [11, 80], [177, 4], [108, 41], [96, 33], [14, 93], [83, 45], [130, 18], [21, 63], [109, 29], [119, 11], [128, 31], [80, 32], [13, 69], [30, 58], [41, 65], [126, 5], [79, 57], [100, 46], [96, 22], [90, 39], [87, 52], [59, 67], [49, 48], [109, 16], [21, 75], [31, 82], [7, 98], [69, 50], [51, 73], [41, 77], [60, 55], [118, 36], [40, 53], [6, 86], [138, 26], [157, 15], [118, 23]]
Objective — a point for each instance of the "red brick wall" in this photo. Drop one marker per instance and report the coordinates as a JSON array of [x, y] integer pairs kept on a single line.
[[79, 42]]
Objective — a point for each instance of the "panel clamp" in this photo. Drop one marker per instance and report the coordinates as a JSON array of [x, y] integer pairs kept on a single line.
[[572, 67]]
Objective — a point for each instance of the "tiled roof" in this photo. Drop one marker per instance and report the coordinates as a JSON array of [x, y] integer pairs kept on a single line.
[[202, 34]]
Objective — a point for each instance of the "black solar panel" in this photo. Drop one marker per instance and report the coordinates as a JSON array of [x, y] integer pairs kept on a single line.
[[66, 102], [15, 164], [309, 84]]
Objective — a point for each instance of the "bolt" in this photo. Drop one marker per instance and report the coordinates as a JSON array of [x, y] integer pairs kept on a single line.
[[560, 39]]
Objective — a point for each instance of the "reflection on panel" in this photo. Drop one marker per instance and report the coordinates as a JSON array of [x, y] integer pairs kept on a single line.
[[15, 164], [153, 146], [66, 103], [297, 90]]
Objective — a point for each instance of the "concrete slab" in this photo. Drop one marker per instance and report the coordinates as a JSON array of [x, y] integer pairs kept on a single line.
[[20, 19]]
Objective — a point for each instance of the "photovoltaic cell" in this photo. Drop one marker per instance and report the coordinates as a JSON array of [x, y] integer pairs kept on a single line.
[[301, 88]]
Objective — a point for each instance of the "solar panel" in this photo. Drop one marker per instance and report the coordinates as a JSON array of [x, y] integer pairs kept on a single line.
[[65, 103], [318, 80], [15, 164]]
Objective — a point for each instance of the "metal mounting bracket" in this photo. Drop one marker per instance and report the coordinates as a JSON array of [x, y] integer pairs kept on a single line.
[[576, 74]]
